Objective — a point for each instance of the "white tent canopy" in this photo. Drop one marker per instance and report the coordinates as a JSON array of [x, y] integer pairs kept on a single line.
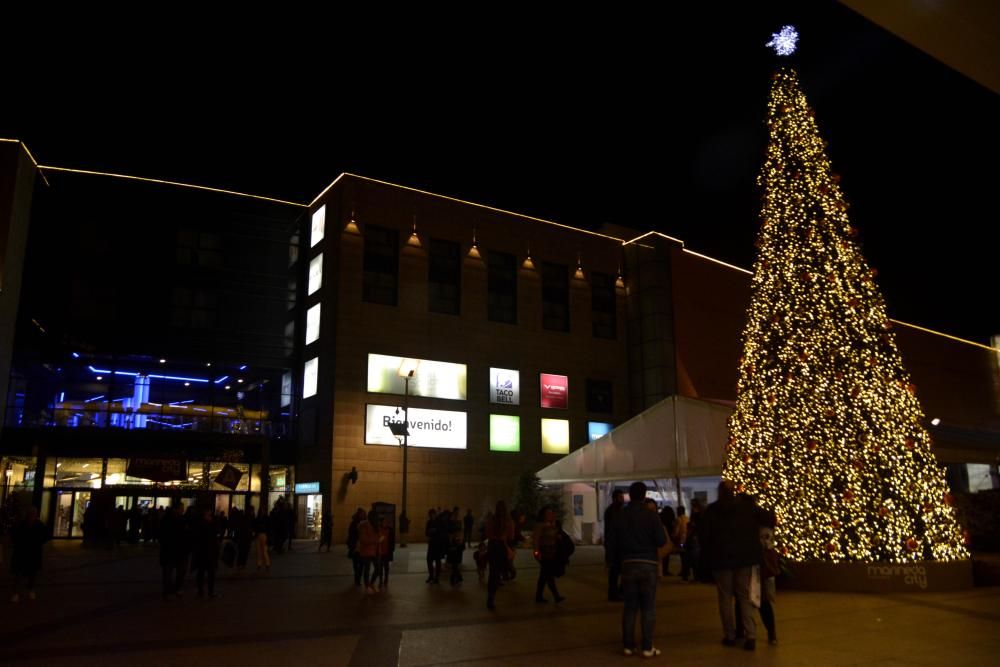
[[676, 438]]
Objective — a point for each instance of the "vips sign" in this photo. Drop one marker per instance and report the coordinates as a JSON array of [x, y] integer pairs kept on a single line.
[[555, 391], [428, 428], [505, 386]]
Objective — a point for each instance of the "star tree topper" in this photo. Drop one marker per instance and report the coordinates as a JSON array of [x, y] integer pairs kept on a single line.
[[784, 42]]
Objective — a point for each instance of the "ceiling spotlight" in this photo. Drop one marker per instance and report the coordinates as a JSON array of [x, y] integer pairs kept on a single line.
[[935, 421], [227, 387], [163, 361], [187, 384], [100, 377], [240, 380], [209, 364]]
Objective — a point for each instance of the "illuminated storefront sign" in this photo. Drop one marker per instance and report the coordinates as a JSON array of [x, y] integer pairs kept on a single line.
[[428, 428], [318, 226], [310, 373], [555, 436], [505, 386], [555, 391], [505, 433], [433, 379], [597, 429], [307, 487]]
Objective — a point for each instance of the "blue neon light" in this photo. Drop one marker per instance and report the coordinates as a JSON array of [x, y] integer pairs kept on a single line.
[[243, 367], [222, 379], [190, 400], [158, 377], [62, 396], [76, 355], [95, 398], [177, 377]]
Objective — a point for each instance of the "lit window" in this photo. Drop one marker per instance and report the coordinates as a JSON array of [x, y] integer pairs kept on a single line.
[[597, 430], [315, 274], [312, 324], [318, 225], [309, 377], [555, 436]]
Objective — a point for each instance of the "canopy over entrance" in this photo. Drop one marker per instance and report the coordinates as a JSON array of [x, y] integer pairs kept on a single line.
[[676, 438]]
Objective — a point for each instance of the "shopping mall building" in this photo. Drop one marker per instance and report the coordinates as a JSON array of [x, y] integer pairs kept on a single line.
[[170, 337]]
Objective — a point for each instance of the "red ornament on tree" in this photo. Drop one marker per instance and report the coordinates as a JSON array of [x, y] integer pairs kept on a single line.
[[912, 545], [812, 445], [848, 495], [831, 546], [910, 443]]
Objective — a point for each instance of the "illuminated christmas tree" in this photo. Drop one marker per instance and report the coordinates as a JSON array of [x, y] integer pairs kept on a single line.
[[827, 429]]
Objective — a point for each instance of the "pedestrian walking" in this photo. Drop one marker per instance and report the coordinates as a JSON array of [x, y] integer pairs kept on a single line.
[[326, 531], [173, 550], [499, 533], [730, 542], [634, 535], [468, 523], [27, 539], [544, 540], [613, 566], [205, 552], [353, 537], [669, 520], [769, 570], [242, 525], [261, 526], [385, 553], [368, 549], [433, 562], [456, 549], [680, 537]]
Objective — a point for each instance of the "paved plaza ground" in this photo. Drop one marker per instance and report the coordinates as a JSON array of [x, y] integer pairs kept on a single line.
[[96, 607]]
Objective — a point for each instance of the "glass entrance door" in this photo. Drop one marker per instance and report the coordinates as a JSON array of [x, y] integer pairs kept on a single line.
[[79, 511], [64, 510]]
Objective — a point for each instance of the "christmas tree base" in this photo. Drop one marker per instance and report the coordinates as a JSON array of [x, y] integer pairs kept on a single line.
[[922, 576]]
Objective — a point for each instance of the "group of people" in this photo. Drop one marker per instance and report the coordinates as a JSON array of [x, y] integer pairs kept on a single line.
[[201, 538], [731, 541]]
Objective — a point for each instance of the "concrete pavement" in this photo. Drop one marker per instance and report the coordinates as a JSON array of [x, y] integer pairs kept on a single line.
[[104, 608]]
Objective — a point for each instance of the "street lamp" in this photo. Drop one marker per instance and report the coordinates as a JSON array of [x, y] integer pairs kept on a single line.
[[407, 369]]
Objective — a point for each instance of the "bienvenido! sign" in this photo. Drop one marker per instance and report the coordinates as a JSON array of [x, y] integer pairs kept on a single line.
[[428, 428], [555, 391]]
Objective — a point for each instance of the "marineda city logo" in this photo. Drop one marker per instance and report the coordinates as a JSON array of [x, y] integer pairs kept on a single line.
[[912, 575]]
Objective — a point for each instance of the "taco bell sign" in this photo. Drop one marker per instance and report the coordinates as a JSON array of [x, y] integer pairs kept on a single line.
[[555, 391], [505, 386]]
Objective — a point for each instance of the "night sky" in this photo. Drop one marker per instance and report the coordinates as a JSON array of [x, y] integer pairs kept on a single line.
[[651, 121]]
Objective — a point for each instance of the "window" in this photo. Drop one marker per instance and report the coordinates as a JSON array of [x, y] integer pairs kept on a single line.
[[381, 280], [599, 396], [444, 277], [310, 375], [315, 274], [602, 306], [318, 226], [312, 324], [555, 297], [501, 287]]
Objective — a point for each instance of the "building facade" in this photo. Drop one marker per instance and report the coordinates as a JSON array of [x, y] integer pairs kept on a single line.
[[185, 344]]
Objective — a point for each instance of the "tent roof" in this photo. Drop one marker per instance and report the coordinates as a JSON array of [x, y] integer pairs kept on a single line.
[[677, 437]]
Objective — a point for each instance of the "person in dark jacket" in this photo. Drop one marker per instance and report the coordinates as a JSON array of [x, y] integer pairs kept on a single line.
[[352, 544], [326, 531], [730, 544], [634, 535], [205, 551], [468, 522], [614, 567], [27, 538], [546, 542], [242, 526], [433, 561], [669, 521], [173, 550]]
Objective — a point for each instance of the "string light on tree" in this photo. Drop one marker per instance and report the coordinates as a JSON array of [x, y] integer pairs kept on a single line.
[[828, 429]]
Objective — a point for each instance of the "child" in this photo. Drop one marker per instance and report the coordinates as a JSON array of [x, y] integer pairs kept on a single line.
[[481, 556]]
